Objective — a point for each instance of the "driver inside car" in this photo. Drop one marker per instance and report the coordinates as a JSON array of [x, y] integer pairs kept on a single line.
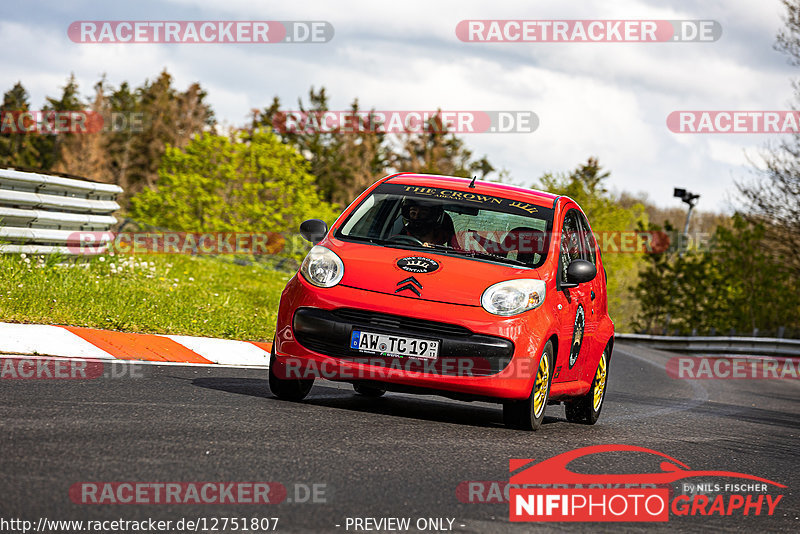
[[427, 221]]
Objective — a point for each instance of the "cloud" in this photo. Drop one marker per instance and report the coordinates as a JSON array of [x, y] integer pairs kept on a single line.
[[607, 99]]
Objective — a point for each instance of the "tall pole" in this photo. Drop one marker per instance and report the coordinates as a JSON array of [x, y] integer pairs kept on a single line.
[[686, 227], [691, 200]]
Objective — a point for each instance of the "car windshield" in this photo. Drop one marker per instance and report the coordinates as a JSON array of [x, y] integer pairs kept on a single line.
[[447, 221]]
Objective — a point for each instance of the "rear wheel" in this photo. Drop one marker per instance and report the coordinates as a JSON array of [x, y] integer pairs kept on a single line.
[[586, 409], [291, 389], [368, 391], [528, 414]]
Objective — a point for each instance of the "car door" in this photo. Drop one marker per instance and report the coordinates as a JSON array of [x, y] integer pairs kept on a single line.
[[596, 304], [574, 303]]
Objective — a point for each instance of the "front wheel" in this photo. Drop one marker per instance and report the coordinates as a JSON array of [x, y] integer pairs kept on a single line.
[[586, 409], [528, 414], [290, 389]]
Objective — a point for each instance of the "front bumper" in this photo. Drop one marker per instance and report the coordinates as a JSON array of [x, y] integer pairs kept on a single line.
[[480, 354], [461, 353]]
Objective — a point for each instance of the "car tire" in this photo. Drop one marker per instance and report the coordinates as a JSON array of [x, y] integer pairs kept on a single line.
[[290, 389], [586, 410], [368, 391], [528, 414]]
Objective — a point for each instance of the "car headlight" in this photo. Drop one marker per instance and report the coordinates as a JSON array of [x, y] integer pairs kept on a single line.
[[513, 296], [322, 267]]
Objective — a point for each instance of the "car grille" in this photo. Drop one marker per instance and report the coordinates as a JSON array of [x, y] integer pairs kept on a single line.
[[328, 332], [400, 323]]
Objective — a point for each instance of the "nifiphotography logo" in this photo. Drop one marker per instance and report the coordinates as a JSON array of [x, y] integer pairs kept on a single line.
[[549, 491]]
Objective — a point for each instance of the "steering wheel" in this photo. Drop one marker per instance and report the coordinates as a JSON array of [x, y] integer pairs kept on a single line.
[[408, 239]]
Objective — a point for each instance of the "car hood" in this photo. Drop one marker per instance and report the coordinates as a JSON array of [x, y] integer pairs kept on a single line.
[[457, 280]]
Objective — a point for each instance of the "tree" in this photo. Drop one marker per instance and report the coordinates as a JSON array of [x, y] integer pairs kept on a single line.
[[343, 159], [437, 151], [121, 142], [761, 290], [348, 158], [609, 220], [171, 118], [137, 126], [16, 149], [49, 146], [655, 286], [86, 154], [251, 183], [774, 197], [734, 284]]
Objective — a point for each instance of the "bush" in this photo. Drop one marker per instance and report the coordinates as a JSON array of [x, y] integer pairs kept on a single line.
[[249, 183]]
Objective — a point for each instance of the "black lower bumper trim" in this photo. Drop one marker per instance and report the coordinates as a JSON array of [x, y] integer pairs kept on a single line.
[[461, 352]]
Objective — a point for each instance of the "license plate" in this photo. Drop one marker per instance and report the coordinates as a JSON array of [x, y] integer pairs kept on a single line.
[[388, 345]]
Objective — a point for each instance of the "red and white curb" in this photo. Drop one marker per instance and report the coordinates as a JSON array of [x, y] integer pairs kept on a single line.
[[90, 343]]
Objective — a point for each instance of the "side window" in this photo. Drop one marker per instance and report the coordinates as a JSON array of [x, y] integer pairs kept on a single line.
[[571, 244], [589, 241]]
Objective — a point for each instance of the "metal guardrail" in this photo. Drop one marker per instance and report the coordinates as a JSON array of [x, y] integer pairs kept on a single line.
[[760, 346], [40, 213]]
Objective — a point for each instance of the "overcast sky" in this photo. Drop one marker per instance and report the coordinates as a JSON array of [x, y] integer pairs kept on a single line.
[[608, 100]]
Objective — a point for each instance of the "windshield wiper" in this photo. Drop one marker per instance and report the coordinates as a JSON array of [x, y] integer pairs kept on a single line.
[[373, 240], [489, 256], [470, 253], [401, 244], [448, 250]]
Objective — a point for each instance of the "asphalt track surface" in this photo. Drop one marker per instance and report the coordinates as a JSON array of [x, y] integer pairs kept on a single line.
[[397, 456]]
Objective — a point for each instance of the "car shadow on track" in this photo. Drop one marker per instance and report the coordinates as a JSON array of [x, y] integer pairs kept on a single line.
[[422, 407]]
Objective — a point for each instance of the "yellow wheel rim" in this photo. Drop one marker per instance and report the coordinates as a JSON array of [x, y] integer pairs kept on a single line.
[[600, 382], [540, 391]]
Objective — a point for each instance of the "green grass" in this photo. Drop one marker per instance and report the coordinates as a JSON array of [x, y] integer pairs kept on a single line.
[[176, 294]]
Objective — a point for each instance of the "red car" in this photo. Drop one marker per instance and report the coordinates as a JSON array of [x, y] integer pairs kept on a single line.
[[442, 285]]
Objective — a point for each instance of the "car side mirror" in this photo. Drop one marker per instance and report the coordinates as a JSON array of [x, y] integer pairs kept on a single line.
[[313, 230], [578, 272]]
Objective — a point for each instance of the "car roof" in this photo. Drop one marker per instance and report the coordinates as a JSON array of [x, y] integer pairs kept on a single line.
[[533, 196]]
